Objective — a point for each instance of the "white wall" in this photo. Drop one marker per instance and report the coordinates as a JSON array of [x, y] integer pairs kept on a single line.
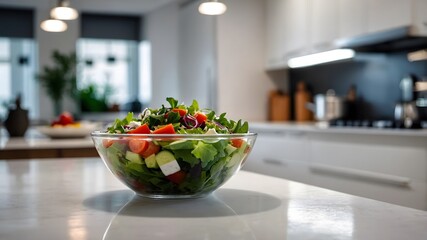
[[197, 70], [161, 29], [243, 85]]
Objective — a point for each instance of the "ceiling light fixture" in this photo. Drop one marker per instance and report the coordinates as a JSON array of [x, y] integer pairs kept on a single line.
[[63, 11], [212, 8], [53, 25], [323, 57]]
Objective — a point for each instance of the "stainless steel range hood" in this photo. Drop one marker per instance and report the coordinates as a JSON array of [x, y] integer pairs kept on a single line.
[[394, 40]]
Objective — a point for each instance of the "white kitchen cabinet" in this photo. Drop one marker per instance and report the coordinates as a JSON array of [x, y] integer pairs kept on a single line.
[[353, 18], [323, 28], [276, 34], [280, 153], [299, 27], [296, 26], [382, 168], [420, 17], [287, 30], [388, 14]]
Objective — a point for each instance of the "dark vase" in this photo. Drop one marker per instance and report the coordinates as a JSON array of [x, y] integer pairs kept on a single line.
[[17, 120]]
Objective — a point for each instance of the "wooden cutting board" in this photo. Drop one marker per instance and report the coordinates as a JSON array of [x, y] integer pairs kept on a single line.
[[302, 97], [279, 107]]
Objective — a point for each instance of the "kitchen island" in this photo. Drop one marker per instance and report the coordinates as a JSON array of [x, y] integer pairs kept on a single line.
[[81, 199]]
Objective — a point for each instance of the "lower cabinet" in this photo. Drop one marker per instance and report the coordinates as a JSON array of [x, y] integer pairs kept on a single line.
[[392, 169], [386, 168], [280, 153]]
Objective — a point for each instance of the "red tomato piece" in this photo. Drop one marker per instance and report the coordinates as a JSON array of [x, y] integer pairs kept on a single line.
[[138, 145], [237, 142], [143, 129], [181, 112], [107, 143], [177, 177], [201, 117], [151, 149], [167, 129]]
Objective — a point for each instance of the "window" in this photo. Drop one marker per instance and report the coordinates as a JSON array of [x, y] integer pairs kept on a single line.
[[108, 63], [111, 56], [17, 74]]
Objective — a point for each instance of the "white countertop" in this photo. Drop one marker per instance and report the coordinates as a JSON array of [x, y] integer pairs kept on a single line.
[[323, 128], [80, 199]]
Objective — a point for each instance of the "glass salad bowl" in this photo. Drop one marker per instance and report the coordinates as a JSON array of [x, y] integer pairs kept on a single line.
[[173, 165]]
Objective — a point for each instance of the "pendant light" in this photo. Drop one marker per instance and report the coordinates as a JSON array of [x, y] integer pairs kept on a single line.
[[53, 25], [63, 11], [212, 8]]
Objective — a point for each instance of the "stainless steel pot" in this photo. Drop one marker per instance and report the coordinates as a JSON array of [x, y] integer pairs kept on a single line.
[[327, 107], [407, 113]]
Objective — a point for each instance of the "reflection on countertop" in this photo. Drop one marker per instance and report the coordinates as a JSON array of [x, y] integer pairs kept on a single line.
[[81, 199]]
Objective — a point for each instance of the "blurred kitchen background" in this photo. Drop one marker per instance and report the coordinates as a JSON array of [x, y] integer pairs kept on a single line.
[[132, 54]]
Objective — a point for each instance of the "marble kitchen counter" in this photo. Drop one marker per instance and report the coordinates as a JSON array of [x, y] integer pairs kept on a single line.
[[80, 199]]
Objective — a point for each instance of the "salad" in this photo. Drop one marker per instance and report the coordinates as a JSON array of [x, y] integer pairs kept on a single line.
[[175, 150]]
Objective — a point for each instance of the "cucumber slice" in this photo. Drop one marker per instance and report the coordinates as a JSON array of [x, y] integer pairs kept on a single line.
[[164, 157], [133, 157], [167, 163], [151, 161]]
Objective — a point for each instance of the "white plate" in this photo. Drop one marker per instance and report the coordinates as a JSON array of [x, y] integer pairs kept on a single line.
[[82, 131]]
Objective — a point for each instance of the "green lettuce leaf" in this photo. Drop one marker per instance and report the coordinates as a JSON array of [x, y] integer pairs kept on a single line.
[[186, 156], [205, 152]]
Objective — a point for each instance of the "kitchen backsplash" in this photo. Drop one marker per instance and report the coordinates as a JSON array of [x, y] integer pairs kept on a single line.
[[376, 77]]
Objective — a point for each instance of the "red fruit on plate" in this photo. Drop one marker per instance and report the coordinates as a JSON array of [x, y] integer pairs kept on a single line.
[[66, 118]]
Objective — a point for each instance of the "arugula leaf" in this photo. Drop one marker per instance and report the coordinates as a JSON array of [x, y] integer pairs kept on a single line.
[[243, 129], [173, 117], [172, 101], [155, 120], [193, 108], [211, 115]]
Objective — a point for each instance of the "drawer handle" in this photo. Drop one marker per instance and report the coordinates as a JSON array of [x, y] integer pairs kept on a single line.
[[274, 162], [362, 174]]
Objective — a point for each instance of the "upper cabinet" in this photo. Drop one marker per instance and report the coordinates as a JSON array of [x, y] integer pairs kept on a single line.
[[299, 27], [323, 24], [352, 18], [287, 30], [420, 16], [387, 14], [275, 35]]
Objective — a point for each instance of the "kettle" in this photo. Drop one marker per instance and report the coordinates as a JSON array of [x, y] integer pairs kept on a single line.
[[406, 111]]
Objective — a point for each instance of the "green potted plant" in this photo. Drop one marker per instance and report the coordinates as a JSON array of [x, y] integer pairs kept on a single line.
[[94, 98], [59, 78]]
